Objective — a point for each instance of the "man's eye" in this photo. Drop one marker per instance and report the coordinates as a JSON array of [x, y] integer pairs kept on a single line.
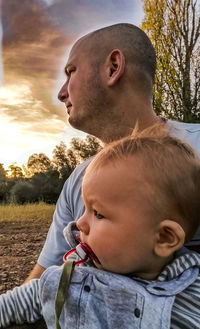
[[98, 215], [69, 71]]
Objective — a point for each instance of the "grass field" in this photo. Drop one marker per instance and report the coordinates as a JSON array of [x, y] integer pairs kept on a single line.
[[32, 211]]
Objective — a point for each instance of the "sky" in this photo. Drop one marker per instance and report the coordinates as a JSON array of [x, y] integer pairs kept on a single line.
[[35, 38]]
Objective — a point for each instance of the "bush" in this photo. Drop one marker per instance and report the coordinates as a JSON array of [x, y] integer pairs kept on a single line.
[[23, 192]]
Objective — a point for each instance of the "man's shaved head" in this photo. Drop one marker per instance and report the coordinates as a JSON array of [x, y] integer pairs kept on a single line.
[[135, 45], [110, 75]]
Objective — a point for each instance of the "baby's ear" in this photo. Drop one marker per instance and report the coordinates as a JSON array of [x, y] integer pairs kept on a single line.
[[170, 237]]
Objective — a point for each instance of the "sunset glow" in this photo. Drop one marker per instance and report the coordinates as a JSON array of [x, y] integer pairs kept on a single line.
[[14, 94], [32, 53]]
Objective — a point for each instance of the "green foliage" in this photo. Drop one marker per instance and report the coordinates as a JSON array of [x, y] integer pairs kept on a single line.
[[3, 183], [84, 149], [60, 158], [64, 161], [22, 192], [38, 163], [44, 179], [15, 171], [5, 187], [174, 29], [47, 186], [2, 172]]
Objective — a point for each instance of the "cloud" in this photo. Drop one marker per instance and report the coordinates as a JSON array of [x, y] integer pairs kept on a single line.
[[18, 104], [36, 35], [76, 17], [25, 128], [18, 142], [32, 51]]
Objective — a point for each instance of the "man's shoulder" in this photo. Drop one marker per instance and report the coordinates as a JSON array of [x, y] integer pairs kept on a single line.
[[193, 128], [77, 174], [71, 193], [188, 132]]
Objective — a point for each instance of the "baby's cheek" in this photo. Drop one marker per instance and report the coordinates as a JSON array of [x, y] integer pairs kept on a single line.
[[99, 266]]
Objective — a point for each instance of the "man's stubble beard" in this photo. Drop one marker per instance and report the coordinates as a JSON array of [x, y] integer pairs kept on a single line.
[[95, 113]]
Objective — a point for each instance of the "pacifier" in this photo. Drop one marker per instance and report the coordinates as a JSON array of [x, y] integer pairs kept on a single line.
[[83, 251]]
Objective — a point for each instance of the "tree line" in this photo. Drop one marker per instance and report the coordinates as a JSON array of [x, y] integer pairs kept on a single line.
[[42, 179]]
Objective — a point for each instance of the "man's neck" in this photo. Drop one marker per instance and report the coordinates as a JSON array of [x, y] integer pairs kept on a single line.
[[121, 131]]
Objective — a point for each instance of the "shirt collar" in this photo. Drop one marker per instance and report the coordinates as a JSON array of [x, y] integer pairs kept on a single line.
[[183, 260]]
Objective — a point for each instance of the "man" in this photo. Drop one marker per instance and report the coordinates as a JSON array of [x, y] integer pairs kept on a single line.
[[108, 91]]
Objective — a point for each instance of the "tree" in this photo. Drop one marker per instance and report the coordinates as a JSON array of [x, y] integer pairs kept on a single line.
[[3, 184], [2, 172], [84, 149], [72, 159], [23, 192], [63, 157], [64, 161], [174, 29], [47, 186], [15, 171], [38, 163]]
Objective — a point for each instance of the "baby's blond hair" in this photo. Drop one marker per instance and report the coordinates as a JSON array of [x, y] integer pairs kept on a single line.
[[171, 170]]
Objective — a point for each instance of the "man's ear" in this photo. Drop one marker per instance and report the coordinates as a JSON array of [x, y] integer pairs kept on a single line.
[[170, 237], [115, 65]]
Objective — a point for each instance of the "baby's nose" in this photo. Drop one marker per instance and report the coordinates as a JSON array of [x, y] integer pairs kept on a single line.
[[83, 225]]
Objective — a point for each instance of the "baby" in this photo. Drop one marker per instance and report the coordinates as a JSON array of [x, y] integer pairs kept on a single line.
[[141, 197]]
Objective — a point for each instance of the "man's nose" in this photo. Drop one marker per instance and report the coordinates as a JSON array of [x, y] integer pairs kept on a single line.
[[63, 93], [83, 225]]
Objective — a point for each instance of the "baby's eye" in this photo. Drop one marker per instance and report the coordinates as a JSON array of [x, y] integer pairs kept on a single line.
[[98, 215]]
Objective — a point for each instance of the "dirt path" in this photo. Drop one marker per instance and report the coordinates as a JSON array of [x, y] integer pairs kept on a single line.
[[20, 245]]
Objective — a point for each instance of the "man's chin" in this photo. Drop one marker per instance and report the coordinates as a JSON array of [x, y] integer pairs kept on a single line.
[[80, 125], [75, 123]]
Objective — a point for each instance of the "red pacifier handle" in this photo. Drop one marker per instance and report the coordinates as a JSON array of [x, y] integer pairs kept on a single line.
[[83, 251], [81, 261], [88, 251]]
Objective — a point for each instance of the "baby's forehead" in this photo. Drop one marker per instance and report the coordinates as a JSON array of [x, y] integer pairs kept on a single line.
[[118, 185], [127, 164], [132, 171]]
